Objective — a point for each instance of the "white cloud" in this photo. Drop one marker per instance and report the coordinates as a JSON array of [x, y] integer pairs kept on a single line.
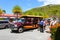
[[46, 2]]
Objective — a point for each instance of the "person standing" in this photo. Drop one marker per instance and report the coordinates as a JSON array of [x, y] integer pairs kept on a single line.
[[41, 24], [47, 28], [11, 23]]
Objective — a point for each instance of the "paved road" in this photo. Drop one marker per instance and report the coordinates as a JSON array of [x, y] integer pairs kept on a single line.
[[28, 35]]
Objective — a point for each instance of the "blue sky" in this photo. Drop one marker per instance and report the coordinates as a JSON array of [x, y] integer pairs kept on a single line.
[[24, 4]]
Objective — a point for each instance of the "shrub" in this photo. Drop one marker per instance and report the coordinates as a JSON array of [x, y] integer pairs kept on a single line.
[[57, 34], [53, 31]]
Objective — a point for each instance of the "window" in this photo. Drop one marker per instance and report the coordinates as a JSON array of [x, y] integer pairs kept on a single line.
[[4, 22]]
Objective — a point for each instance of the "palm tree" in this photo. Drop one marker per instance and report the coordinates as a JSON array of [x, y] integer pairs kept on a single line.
[[17, 10], [1, 11], [4, 11]]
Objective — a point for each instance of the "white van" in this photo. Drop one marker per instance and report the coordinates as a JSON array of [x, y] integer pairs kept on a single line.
[[4, 24]]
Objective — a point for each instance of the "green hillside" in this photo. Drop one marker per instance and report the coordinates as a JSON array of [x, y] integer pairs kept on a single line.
[[50, 10]]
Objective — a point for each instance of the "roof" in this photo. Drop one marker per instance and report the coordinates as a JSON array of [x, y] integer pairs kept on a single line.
[[30, 16], [8, 15]]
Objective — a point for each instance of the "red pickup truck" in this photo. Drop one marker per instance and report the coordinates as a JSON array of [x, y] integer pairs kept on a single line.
[[23, 24], [17, 26]]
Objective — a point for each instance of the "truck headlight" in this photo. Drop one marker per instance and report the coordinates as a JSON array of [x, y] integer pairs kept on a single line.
[[15, 25]]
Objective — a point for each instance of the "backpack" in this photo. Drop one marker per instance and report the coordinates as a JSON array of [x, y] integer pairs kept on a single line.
[[41, 23]]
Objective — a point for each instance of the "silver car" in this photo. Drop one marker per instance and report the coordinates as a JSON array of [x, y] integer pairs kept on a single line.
[[4, 24]]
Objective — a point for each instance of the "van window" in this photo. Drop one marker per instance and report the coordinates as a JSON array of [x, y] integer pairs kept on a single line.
[[4, 22]]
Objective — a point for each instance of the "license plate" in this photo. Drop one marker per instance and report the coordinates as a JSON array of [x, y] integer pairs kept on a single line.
[[15, 28]]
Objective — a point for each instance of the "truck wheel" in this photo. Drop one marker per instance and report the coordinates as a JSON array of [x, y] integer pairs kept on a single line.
[[6, 27], [12, 31], [20, 30]]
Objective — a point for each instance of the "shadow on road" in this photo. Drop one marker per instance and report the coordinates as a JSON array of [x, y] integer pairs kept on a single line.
[[29, 30]]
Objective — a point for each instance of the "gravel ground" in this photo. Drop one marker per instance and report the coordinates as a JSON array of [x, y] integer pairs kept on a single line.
[[28, 35]]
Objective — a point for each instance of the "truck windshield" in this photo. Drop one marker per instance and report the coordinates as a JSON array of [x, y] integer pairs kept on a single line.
[[20, 20]]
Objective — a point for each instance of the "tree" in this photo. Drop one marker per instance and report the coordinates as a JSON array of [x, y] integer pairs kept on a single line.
[[4, 11], [0, 14], [1, 11], [17, 10]]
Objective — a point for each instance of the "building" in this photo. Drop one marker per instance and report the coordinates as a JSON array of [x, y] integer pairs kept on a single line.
[[7, 16]]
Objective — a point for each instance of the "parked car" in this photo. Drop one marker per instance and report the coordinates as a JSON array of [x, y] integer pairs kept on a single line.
[[4, 24]]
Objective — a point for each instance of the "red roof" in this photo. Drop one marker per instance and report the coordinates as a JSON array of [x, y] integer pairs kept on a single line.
[[8, 15]]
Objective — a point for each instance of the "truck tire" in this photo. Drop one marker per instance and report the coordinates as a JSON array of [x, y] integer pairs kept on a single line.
[[20, 30], [12, 31]]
